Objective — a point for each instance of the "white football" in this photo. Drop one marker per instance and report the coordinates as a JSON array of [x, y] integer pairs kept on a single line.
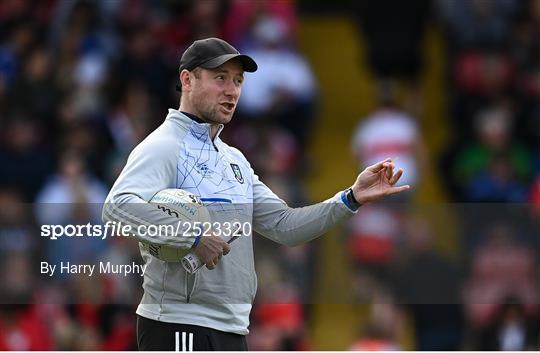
[[185, 206]]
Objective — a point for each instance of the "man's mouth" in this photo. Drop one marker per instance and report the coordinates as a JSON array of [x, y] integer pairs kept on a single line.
[[228, 106]]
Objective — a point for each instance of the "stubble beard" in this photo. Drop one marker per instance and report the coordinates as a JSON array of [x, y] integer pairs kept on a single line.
[[212, 116], [209, 112]]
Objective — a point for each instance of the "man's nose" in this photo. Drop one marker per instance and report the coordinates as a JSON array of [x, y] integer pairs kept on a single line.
[[232, 90]]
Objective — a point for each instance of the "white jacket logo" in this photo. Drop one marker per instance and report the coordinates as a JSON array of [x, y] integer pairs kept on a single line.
[[237, 173]]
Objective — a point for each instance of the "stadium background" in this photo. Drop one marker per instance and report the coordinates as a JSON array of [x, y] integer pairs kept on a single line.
[[449, 87]]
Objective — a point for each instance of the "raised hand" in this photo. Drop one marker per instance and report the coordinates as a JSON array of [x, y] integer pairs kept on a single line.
[[377, 181]]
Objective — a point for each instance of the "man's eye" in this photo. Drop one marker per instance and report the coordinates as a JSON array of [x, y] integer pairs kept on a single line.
[[220, 77], [239, 81]]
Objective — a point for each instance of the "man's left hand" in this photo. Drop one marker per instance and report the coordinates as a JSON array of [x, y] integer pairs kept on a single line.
[[377, 181]]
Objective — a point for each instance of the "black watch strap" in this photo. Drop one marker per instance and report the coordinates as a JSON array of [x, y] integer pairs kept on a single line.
[[350, 198]]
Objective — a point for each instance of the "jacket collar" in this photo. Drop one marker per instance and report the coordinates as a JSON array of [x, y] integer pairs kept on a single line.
[[196, 126]]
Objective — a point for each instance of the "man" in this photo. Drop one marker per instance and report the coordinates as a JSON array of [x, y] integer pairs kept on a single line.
[[209, 310]]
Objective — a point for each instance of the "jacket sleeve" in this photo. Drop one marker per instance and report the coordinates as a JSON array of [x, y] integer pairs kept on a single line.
[[151, 167], [275, 220]]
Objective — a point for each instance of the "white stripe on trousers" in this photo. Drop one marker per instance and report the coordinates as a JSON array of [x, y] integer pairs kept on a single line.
[[177, 342]]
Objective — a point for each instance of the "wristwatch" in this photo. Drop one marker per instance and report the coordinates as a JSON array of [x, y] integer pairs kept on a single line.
[[349, 195]]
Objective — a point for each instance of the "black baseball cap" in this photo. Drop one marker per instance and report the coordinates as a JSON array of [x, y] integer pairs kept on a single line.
[[210, 53]]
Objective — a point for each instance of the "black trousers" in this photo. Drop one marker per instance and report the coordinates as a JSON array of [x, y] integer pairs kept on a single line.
[[163, 336]]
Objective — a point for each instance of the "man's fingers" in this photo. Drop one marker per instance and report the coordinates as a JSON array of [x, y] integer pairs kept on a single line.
[[211, 249], [226, 249], [377, 167], [397, 189], [396, 177], [389, 168], [213, 263]]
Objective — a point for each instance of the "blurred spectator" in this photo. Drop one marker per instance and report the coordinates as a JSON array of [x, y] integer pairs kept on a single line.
[[206, 19], [80, 51], [91, 20], [526, 43], [278, 315], [72, 196], [372, 236], [494, 157], [284, 269], [283, 91], [526, 53], [428, 286], [479, 78], [85, 135], [382, 331], [66, 58], [22, 330], [25, 162], [501, 267], [390, 133], [496, 184], [477, 23], [484, 74], [85, 323], [13, 51], [394, 33], [128, 122], [182, 22], [142, 63], [122, 289], [278, 326], [18, 279], [20, 326], [12, 12], [17, 232], [95, 325], [23, 325], [480, 65], [510, 330], [242, 14], [89, 74], [33, 92], [72, 184]]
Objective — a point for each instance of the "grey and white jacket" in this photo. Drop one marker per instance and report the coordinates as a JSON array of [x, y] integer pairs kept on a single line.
[[181, 154]]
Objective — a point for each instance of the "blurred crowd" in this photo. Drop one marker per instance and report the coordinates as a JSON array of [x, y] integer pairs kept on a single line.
[[486, 297], [82, 82]]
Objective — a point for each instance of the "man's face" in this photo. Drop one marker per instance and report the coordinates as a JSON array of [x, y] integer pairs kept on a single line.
[[215, 92]]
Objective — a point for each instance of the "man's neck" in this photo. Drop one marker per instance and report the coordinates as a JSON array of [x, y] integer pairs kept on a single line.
[[193, 117], [213, 127]]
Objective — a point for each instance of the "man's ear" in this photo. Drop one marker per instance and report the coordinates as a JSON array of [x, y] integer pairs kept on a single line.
[[185, 79]]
